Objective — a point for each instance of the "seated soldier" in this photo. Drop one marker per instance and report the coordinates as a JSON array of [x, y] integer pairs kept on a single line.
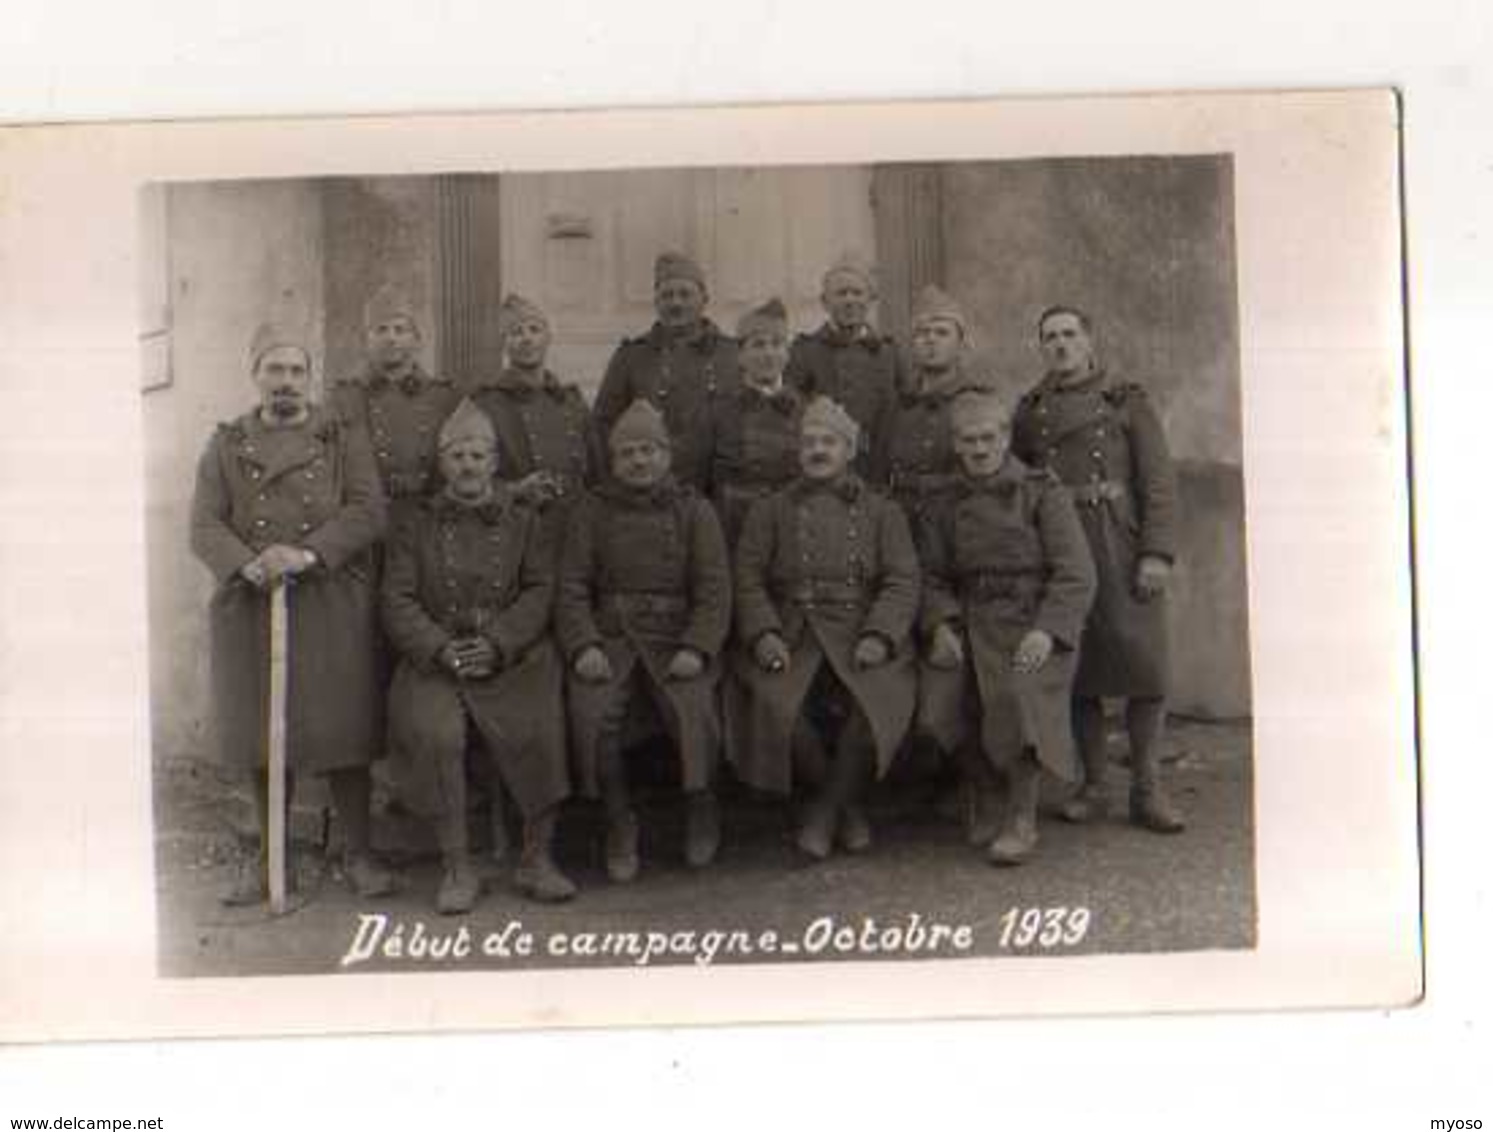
[[1008, 583], [826, 594], [756, 443], [643, 609], [467, 593]]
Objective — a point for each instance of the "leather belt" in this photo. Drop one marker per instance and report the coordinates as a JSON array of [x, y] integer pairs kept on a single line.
[[1101, 491], [921, 481], [647, 601], [824, 591]]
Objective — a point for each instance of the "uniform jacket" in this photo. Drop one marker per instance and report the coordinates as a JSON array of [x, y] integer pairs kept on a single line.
[[1103, 439], [756, 451], [547, 428], [1001, 557], [682, 378], [452, 571], [642, 575], [822, 566], [860, 371], [914, 458], [403, 419], [314, 486]]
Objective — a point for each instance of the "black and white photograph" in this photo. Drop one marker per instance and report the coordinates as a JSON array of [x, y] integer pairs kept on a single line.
[[798, 572]]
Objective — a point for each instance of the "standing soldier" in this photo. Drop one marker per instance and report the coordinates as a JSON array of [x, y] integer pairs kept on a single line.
[[1008, 581], [827, 592], [399, 405], [643, 609], [681, 365], [756, 443], [546, 442], [846, 359], [468, 587], [1103, 439], [287, 494], [915, 455]]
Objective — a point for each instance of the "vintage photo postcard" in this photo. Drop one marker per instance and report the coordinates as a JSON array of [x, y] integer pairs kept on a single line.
[[797, 563]]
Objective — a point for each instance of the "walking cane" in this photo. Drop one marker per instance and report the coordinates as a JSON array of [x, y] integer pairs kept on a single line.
[[279, 651]]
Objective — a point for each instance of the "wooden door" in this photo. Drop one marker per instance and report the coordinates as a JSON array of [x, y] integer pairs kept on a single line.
[[582, 245]]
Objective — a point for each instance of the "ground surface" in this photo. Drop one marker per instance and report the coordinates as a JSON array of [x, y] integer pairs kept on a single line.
[[1143, 892]]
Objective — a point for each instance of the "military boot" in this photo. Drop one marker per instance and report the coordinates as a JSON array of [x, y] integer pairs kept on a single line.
[[816, 833], [537, 875], [981, 804], [1018, 837], [460, 887], [497, 852], [855, 828], [1091, 801], [702, 836], [623, 862], [1150, 808], [366, 877]]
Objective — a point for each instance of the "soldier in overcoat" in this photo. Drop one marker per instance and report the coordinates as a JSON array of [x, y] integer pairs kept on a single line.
[[548, 447], [826, 597], [1103, 439], [914, 458], [288, 494], [398, 404], [467, 595], [1008, 581], [682, 365], [756, 443], [642, 613], [846, 359]]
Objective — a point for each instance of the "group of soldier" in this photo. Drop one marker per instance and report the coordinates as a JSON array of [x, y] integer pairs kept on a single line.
[[791, 556]]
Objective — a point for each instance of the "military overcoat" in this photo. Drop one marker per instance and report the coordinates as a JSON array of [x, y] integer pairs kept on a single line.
[[756, 451], [1103, 439], [1003, 556], [822, 566], [860, 371], [313, 486], [403, 419], [643, 574], [682, 377], [543, 427], [453, 570], [914, 460]]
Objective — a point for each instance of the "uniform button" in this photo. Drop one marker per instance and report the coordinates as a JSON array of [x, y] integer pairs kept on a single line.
[[261, 522], [253, 473], [305, 527]]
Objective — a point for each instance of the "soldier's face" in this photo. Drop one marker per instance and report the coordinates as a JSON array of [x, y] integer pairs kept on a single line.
[[1066, 347], [981, 445], [392, 342], [283, 378], [680, 303], [847, 299], [823, 454], [528, 343], [468, 467], [763, 355], [936, 343], [640, 463]]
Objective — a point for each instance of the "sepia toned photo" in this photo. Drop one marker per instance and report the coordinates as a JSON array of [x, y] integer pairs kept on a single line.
[[736, 565]]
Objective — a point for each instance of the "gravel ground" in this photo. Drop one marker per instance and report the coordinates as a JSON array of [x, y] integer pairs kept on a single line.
[[1141, 892]]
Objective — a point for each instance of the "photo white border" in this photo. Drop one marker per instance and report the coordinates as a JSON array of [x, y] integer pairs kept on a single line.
[[1318, 245]]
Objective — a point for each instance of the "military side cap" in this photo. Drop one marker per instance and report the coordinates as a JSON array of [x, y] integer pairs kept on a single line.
[[771, 315], [935, 304], [675, 265], [389, 302], [516, 309], [268, 335], [641, 421], [821, 412], [978, 406], [853, 265], [466, 423]]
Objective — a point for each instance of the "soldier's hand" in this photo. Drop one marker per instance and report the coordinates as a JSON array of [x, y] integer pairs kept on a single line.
[[1151, 576], [449, 658], [871, 651], [947, 650], [772, 653], [254, 573], [592, 666], [281, 561], [686, 665], [1032, 652], [538, 487], [478, 657]]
